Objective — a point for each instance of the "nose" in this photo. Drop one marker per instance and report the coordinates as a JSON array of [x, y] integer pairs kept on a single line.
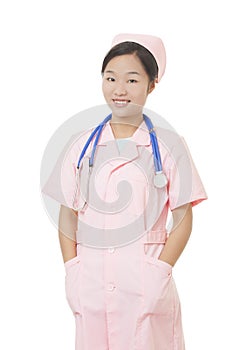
[[120, 89]]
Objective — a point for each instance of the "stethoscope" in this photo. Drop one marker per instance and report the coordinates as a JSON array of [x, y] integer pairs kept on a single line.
[[160, 179]]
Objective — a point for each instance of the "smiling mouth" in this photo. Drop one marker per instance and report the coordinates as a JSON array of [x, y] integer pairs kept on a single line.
[[121, 103]]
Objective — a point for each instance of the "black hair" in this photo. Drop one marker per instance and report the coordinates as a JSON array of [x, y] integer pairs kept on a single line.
[[128, 47]]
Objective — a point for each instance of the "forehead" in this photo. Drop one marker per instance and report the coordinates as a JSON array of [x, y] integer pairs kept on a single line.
[[124, 64]]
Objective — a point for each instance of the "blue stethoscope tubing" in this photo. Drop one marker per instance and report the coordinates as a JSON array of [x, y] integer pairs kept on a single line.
[[154, 143], [98, 129], [160, 179]]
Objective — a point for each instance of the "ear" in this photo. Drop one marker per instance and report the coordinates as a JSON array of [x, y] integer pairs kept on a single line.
[[151, 86]]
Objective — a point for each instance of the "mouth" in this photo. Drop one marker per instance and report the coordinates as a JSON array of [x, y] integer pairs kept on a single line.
[[121, 103]]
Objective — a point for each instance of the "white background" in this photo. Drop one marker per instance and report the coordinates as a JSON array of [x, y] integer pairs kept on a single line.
[[51, 55]]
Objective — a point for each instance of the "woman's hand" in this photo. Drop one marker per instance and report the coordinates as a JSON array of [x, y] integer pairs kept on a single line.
[[67, 232], [179, 236]]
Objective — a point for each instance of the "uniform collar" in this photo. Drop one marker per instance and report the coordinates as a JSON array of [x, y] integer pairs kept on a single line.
[[140, 137]]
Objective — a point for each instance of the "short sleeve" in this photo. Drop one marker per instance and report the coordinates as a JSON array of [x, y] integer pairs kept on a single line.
[[61, 184], [184, 183]]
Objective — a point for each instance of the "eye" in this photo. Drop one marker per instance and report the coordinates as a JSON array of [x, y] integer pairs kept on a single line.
[[132, 81], [110, 79]]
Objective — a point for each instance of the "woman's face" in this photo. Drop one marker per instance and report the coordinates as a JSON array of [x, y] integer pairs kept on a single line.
[[126, 86]]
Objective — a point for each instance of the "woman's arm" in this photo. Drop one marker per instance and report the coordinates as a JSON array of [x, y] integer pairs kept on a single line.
[[180, 233], [67, 232]]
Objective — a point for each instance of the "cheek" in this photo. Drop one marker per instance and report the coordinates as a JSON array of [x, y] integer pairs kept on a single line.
[[106, 89], [139, 90], [141, 95]]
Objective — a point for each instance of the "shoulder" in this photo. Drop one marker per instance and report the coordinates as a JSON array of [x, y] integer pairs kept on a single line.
[[77, 141], [171, 143]]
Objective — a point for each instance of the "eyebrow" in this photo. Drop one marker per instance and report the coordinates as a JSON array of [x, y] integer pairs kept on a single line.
[[112, 72], [133, 73]]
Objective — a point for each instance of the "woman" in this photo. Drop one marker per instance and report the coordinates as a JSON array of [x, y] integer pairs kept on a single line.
[[117, 252]]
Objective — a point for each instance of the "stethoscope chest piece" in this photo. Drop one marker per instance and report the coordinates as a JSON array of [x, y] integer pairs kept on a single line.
[[160, 180]]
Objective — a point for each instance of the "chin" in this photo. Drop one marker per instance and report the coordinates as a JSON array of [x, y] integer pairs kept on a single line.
[[129, 111]]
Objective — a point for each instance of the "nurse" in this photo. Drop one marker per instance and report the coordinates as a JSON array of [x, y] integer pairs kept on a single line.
[[117, 252]]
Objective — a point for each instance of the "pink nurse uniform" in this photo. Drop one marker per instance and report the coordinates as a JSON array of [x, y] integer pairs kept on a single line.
[[123, 297]]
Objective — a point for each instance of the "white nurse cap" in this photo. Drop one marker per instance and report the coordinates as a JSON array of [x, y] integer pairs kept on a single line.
[[151, 43]]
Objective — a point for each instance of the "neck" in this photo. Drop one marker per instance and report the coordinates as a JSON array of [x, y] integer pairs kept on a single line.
[[125, 126]]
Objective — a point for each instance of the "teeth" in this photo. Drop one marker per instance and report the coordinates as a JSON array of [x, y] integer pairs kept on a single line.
[[121, 102]]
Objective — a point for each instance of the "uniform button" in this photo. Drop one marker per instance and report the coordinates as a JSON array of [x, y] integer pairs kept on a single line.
[[110, 287], [111, 250]]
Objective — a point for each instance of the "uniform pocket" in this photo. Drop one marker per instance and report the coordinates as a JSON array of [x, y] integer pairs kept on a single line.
[[72, 283], [158, 286], [164, 264], [71, 262]]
